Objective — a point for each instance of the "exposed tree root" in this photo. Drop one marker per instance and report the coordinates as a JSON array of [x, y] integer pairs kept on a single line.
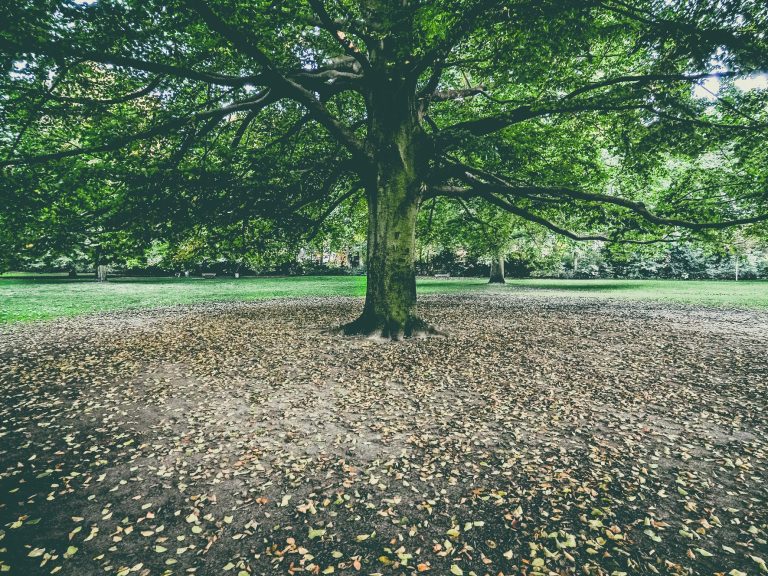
[[375, 327]]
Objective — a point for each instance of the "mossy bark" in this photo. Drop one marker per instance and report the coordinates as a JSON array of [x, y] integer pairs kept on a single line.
[[390, 298], [394, 189], [497, 269]]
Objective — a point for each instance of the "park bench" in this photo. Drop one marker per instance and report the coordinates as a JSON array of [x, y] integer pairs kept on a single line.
[[209, 275], [442, 276]]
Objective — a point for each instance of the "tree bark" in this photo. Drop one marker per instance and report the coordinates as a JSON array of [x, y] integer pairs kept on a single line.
[[390, 297], [497, 269], [394, 189]]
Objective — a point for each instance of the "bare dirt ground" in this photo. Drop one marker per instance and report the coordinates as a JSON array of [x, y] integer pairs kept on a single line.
[[541, 436]]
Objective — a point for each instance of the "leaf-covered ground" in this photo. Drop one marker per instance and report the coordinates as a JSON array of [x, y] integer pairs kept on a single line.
[[541, 436]]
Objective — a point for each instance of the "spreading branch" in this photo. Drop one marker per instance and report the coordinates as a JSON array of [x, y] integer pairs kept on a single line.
[[446, 95], [490, 124], [330, 209], [467, 192], [714, 37], [279, 82], [334, 28], [122, 141], [488, 186], [465, 23], [650, 78], [60, 51], [494, 123]]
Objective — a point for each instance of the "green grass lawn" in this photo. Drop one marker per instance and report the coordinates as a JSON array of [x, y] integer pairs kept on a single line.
[[41, 298]]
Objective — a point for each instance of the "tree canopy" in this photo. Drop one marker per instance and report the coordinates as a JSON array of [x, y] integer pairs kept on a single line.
[[624, 122]]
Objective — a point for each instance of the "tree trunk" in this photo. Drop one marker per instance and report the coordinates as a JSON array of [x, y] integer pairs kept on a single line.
[[497, 269], [390, 297], [394, 193]]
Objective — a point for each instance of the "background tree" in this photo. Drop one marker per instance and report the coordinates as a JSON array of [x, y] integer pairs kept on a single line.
[[482, 230]]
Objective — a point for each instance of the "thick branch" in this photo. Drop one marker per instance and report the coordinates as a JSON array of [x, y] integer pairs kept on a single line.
[[278, 81], [453, 36], [122, 141], [491, 124], [459, 192], [648, 78], [117, 100], [329, 210], [243, 127], [642, 210], [446, 95], [330, 25], [59, 50], [499, 184]]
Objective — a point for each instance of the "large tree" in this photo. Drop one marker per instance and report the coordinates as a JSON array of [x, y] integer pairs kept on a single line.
[[560, 113]]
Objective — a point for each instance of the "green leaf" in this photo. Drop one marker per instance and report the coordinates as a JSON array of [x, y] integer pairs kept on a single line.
[[316, 533]]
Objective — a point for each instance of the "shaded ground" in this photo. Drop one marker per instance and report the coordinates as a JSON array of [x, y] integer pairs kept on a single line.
[[542, 436]]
